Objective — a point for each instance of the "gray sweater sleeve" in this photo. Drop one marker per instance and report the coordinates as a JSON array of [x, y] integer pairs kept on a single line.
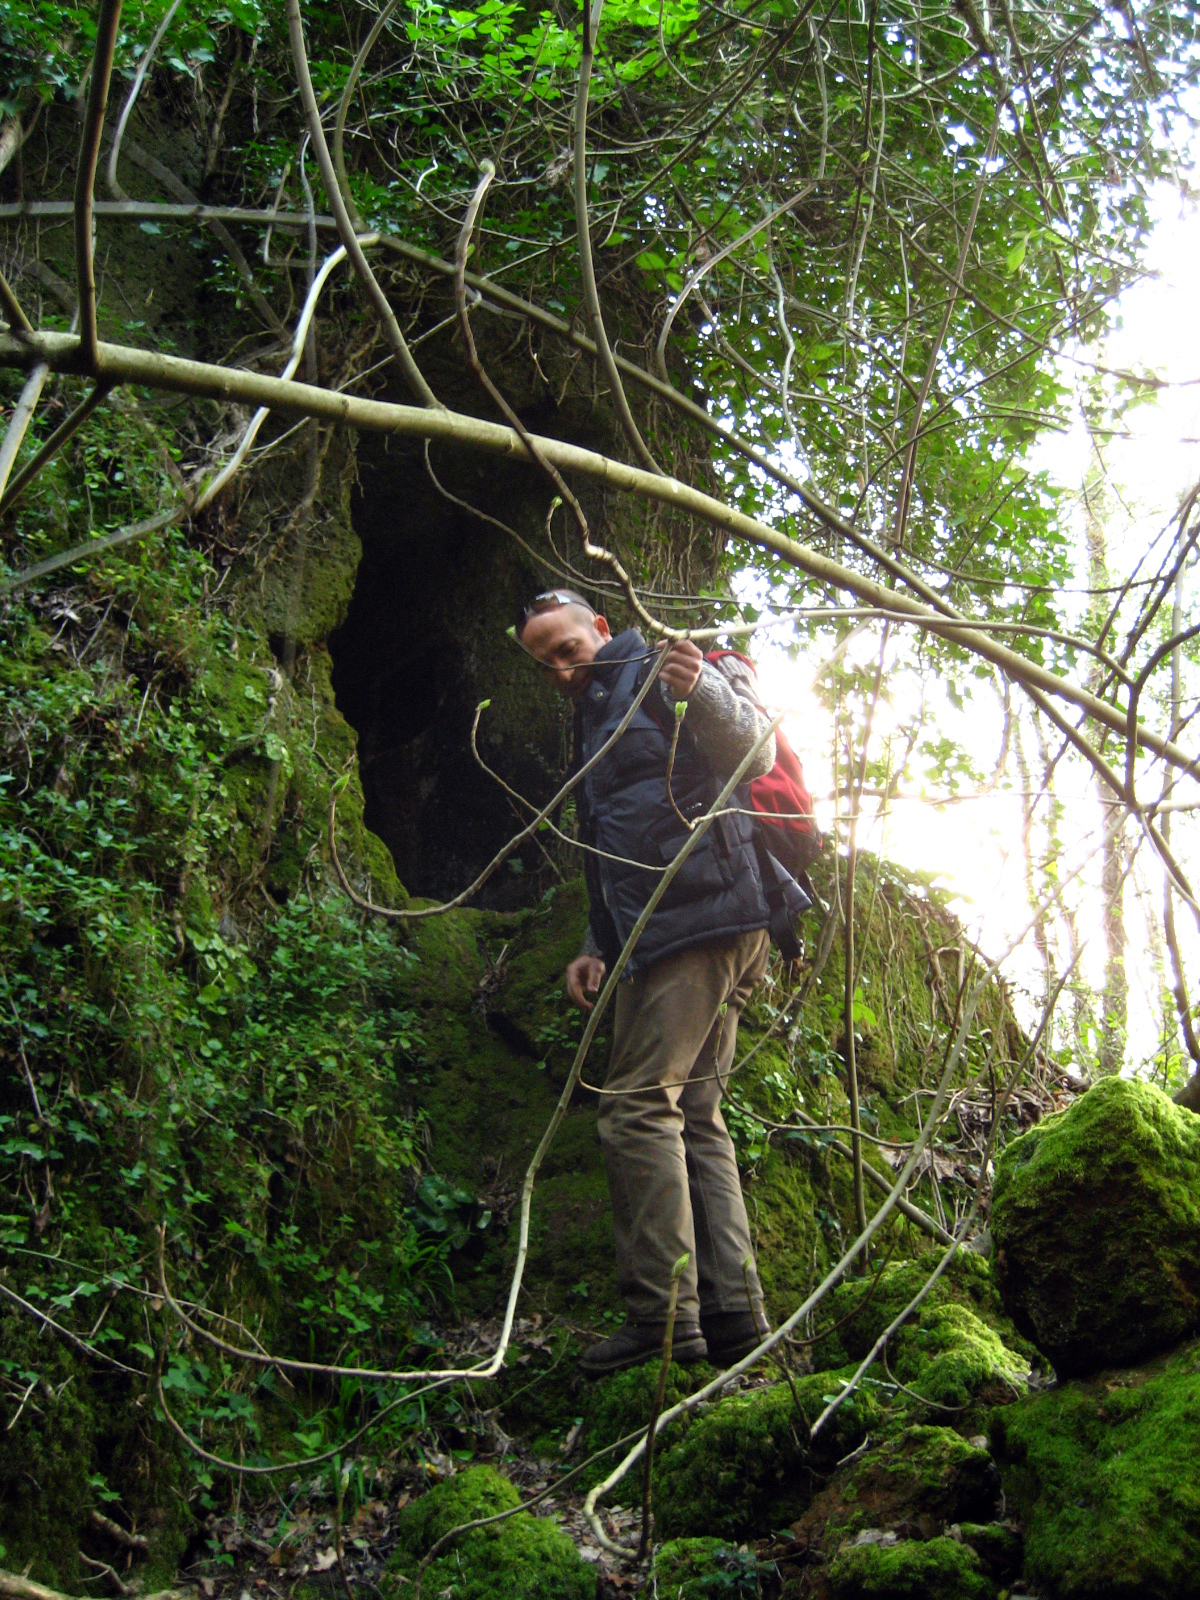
[[724, 718]]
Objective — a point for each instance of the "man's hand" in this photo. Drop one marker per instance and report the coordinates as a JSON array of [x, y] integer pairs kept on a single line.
[[681, 669], [584, 977]]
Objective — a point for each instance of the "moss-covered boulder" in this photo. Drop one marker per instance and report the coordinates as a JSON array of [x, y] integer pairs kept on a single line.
[[937, 1569], [1095, 1218], [859, 1309], [747, 1467], [522, 1558], [998, 1545], [703, 1569], [951, 1358], [616, 1406], [1103, 1475], [914, 1486]]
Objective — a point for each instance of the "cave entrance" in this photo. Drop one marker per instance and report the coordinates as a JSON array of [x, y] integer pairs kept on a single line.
[[423, 643]]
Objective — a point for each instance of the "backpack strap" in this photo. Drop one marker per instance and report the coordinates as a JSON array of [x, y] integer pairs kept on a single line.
[[780, 926]]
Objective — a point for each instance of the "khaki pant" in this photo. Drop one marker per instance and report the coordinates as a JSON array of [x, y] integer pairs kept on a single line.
[[671, 1168]]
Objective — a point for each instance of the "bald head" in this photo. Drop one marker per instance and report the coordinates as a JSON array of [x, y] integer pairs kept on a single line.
[[564, 641]]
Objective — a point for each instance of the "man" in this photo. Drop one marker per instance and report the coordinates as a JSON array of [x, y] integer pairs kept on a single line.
[[670, 1162]]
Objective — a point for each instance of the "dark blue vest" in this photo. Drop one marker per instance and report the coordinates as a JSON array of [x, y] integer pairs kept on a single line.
[[624, 810]]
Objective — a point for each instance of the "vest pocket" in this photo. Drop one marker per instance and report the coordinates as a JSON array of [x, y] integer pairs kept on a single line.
[[706, 871]]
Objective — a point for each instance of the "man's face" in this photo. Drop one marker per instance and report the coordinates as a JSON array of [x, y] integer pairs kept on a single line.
[[565, 641]]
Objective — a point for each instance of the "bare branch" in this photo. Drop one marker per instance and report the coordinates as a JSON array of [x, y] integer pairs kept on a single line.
[[144, 65], [18, 423], [12, 308], [387, 317], [85, 177], [123, 363], [339, 127], [14, 1587], [587, 271], [66, 428]]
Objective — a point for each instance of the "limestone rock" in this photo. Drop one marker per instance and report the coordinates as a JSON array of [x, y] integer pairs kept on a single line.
[[912, 1487], [1096, 1218]]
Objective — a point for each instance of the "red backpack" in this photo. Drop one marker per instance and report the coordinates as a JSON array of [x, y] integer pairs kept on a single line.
[[788, 825]]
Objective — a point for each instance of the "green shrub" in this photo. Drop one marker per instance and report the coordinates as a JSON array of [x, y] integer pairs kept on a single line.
[[702, 1569]]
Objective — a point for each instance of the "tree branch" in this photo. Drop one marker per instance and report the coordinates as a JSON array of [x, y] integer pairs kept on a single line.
[[387, 317], [587, 272], [124, 364], [85, 177]]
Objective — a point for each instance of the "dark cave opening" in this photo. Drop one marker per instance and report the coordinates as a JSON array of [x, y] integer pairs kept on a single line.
[[424, 641]]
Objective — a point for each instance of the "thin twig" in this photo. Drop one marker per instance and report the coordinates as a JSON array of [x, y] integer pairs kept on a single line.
[[660, 1390], [135, 89], [50, 448], [339, 126]]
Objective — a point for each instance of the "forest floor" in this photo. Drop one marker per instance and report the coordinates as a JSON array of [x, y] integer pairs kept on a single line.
[[299, 1539]]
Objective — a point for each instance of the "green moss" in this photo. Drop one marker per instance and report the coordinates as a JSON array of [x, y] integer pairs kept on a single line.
[[949, 1357], [1095, 1217], [521, 1558], [616, 1406], [1103, 1475], [531, 999], [781, 1203], [746, 1466], [916, 1484], [938, 1569], [75, 1439], [865, 1307], [304, 592], [702, 1569], [998, 1545]]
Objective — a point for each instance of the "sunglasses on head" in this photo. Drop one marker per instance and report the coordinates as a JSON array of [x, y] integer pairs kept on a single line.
[[550, 600]]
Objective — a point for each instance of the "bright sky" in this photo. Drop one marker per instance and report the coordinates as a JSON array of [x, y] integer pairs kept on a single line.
[[974, 846]]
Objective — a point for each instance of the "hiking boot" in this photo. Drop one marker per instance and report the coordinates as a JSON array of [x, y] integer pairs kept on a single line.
[[730, 1335], [642, 1341]]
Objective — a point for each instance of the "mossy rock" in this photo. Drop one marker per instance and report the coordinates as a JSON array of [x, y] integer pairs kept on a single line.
[[747, 1468], [522, 1558], [949, 1357], [936, 1569], [703, 1569], [620, 1404], [1095, 1217], [1103, 1476], [998, 1545], [859, 1310], [915, 1485]]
